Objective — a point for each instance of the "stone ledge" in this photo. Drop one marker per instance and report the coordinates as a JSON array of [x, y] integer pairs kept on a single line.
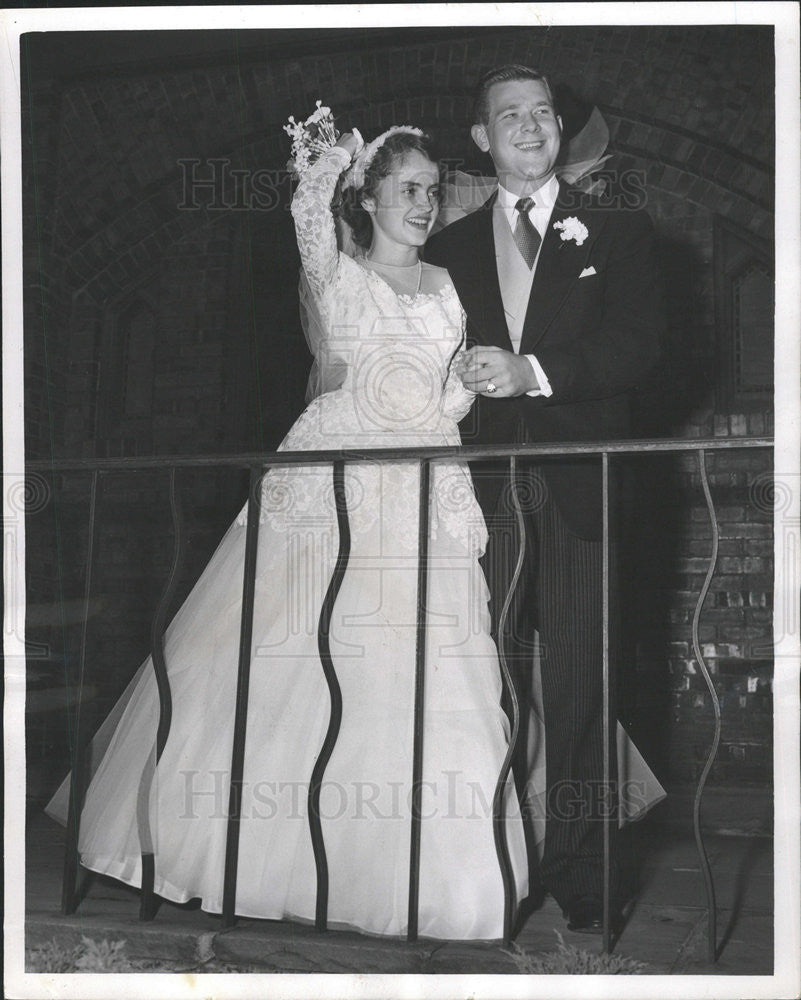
[[143, 940], [272, 946], [296, 948]]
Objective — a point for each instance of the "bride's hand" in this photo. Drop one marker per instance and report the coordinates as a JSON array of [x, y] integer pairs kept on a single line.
[[351, 141], [509, 374]]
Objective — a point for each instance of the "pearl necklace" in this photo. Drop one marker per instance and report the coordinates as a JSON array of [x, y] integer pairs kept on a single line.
[[399, 271]]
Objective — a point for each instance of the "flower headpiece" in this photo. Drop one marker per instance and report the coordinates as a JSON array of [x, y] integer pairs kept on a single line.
[[311, 137], [355, 175]]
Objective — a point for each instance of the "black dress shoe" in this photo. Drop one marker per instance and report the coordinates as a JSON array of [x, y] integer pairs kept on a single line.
[[585, 915]]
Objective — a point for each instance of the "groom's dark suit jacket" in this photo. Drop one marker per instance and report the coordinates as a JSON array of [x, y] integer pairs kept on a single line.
[[594, 335]]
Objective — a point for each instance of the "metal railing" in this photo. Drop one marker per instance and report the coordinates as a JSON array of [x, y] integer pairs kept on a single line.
[[258, 464]]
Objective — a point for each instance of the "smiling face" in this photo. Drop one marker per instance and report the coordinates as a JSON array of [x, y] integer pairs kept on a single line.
[[405, 203], [522, 134]]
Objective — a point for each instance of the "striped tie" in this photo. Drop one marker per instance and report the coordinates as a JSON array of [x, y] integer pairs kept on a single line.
[[526, 236]]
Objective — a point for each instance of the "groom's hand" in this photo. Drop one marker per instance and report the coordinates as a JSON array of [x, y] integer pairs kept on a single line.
[[510, 373]]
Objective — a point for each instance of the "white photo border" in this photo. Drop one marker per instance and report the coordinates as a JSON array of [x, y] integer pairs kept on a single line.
[[787, 969]]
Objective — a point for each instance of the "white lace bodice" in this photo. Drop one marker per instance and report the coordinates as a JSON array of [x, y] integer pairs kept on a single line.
[[393, 354], [385, 378]]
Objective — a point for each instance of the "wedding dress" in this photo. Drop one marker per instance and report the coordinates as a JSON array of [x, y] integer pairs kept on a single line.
[[385, 375]]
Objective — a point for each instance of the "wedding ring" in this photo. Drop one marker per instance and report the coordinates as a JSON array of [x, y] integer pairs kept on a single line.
[[491, 387]]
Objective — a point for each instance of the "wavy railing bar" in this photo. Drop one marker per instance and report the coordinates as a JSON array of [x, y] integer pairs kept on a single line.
[[147, 904], [709, 885], [242, 688], [335, 695], [499, 795], [468, 452]]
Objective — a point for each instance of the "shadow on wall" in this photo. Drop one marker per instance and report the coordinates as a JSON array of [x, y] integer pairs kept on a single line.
[[684, 380], [681, 384]]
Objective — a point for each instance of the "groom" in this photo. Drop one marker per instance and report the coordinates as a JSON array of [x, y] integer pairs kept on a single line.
[[562, 306]]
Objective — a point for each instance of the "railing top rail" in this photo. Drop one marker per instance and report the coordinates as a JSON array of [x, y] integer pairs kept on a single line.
[[469, 452]]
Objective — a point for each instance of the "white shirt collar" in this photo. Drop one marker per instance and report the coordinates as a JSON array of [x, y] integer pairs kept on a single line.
[[544, 201]]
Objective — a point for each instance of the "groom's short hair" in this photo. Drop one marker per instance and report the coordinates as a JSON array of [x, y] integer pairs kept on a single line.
[[502, 74]]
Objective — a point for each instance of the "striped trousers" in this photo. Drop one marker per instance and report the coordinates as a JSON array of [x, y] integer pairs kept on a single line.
[[560, 596]]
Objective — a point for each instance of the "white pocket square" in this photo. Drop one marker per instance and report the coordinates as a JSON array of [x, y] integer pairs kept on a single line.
[[587, 272]]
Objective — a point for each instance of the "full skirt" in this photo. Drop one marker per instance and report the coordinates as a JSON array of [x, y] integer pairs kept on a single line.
[[177, 809]]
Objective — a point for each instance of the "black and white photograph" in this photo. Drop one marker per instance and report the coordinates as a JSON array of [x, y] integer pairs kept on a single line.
[[401, 500]]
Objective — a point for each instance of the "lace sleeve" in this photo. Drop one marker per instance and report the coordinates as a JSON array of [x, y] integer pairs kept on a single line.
[[314, 223], [456, 400]]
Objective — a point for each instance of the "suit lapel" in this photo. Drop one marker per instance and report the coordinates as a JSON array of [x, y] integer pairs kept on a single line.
[[476, 281], [559, 266]]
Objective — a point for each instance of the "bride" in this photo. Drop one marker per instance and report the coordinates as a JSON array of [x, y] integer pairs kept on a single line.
[[390, 333]]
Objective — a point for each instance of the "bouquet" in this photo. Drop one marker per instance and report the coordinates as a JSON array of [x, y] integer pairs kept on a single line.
[[310, 138]]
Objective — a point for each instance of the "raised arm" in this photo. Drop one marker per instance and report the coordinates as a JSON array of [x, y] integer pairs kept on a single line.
[[314, 223], [311, 209]]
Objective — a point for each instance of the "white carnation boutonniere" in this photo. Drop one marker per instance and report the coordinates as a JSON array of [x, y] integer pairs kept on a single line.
[[572, 229]]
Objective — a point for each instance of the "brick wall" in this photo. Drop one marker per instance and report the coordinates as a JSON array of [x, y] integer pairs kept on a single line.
[[115, 253]]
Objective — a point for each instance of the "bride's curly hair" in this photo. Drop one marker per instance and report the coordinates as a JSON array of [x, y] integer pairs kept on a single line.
[[388, 156]]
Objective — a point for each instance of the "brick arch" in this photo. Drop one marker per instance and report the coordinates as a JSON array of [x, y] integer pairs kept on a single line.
[[118, 131], [129, 244], [700, 172]]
